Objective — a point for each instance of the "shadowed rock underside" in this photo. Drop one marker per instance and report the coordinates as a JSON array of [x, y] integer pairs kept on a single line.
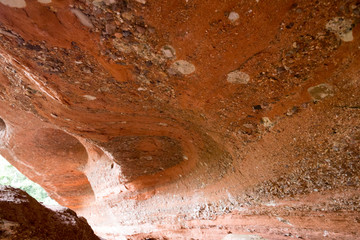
[[187, 119]]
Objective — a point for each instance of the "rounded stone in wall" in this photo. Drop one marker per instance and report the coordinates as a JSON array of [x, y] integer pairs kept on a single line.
[[238, 77], [14, 3]]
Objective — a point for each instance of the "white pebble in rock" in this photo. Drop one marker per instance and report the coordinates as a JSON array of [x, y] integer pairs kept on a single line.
[[320, 91], [267, 122], [141, 1], [233, 16], [82, 18], [181, 67], [242, 237], [14, 3], [342, 28], [89, 97], [238, 77], [168, 51], [44, 1]]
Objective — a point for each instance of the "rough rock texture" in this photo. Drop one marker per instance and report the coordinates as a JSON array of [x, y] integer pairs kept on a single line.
[[23, 218], [151, 141]]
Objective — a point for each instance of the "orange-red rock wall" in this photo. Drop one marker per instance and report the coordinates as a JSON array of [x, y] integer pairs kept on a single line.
[[187, 119]]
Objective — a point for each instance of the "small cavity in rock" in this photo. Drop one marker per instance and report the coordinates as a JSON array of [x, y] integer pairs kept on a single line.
[[2, 125], [257, 107]]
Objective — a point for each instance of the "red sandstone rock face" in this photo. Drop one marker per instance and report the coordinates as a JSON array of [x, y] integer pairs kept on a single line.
[[22, 217], [188, 119]]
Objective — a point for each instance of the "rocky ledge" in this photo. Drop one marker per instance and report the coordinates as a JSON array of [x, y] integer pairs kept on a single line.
[[24, 218]]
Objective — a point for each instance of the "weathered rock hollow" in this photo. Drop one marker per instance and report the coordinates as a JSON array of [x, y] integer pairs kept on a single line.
[[187, 119]]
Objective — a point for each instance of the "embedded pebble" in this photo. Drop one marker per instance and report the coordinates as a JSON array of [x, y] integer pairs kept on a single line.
[[283, 221], [107, 2], [168, 51], [128, 16], [141, 1], [122, 47], [110, 28], [89, 97], [320, 91], [233, 16], [248, 125], [44, 1], [292, 111], [238, 77], [14, 3], [7, 34], [82, 18], [266, 122], [342, 28], [182, 67], [242, 237]]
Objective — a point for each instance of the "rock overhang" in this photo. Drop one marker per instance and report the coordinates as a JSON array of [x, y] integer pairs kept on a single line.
[[195, 112]]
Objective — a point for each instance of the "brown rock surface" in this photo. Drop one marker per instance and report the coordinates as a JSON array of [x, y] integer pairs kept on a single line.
[[152, 144], [23, 218]]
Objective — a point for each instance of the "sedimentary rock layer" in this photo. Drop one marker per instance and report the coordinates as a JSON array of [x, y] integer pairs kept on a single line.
[[187, 119]]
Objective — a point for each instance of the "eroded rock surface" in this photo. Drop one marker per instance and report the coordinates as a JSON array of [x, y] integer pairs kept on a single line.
[[22, 217], [188, 119]]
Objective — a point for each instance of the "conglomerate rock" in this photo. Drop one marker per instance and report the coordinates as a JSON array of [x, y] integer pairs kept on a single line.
[[187, 119]]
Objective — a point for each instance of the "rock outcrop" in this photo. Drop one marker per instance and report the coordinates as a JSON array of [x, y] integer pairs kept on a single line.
[[23, 218], [187, 119]]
